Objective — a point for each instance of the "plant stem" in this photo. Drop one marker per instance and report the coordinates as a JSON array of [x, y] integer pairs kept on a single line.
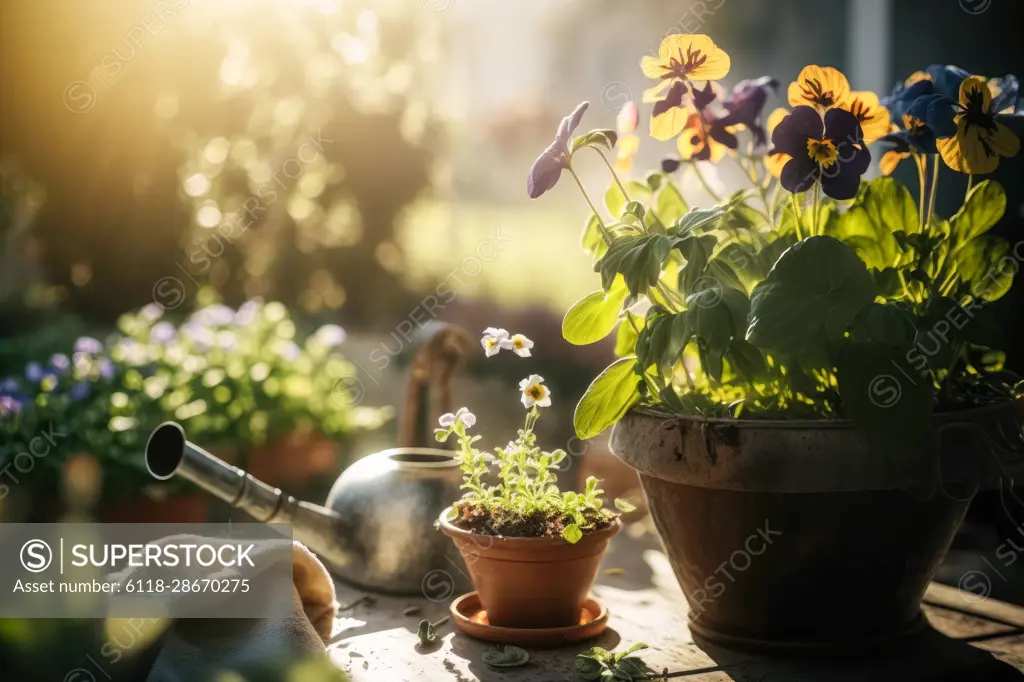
[[817, 204], [704, 183], [920, 160], [933, 191], [797, 210], [970, 184], [611, 170], [600, 221], [751, 174]]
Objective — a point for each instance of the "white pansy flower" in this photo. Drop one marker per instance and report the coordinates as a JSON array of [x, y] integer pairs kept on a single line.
[[492, 340], [535, 393], [446, 419], [518, 344], [468, 418]]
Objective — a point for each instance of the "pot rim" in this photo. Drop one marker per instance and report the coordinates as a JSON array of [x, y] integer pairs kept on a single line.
[[525, 544], [446, 459], [825, 424]]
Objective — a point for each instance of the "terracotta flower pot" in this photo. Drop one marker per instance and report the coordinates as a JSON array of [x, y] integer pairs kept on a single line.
[[796, 534], [530, 582]]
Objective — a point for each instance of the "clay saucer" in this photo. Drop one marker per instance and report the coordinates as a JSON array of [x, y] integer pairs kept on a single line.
[[470, 617]]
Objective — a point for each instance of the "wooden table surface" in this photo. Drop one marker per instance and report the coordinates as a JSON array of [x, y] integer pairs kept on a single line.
[[974, 639]]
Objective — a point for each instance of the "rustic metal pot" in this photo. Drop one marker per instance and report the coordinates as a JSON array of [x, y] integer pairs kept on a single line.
[[799, 534]]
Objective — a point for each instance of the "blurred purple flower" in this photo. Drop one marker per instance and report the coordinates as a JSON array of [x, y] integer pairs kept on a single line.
[[87, 344], [162, 332], [670, 164], [105, 367], [331, 335], [549, 165], [247, 312], [199, 335], [8, 386], [289, 351], [213, 315], [151, 312], [80, 391], [746, 106], [60, 363], [9, 405]]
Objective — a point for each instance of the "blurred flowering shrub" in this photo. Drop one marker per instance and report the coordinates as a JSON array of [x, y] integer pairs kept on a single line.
[[232, 377]]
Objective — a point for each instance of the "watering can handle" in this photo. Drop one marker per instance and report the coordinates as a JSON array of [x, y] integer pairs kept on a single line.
[[438, 349]]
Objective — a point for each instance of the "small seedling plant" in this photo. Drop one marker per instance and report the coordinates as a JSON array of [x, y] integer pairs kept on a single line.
[[526, 502]]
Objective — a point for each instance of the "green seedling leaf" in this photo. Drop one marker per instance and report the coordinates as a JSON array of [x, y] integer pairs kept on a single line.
[[509, 657]]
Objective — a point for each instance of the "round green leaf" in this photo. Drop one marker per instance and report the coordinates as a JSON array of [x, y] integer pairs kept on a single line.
[[593, 317], [607, 399]]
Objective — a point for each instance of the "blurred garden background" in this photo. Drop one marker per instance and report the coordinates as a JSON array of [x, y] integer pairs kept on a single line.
[[241, 214]]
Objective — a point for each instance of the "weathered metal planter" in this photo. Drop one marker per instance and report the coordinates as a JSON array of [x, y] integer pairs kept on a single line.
[[798, 534]]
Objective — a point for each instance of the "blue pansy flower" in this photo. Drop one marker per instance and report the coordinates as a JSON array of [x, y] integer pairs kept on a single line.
[[34, 371], [105, 367], [80, 391], [162, 332]]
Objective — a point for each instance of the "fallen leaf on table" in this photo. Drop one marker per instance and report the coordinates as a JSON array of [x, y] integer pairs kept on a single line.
[[512, 656]]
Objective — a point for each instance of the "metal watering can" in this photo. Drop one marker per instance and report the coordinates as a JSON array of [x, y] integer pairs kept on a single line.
[[376, 529]]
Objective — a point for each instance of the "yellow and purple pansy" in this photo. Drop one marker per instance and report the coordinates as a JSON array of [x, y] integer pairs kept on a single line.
[[625, 125], [819, 87], [873, 117], [978, 139], [682, 59], [830, 150]]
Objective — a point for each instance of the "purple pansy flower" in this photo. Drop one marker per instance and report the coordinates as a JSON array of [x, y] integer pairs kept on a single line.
[[549, 165], [87, 344], [247, 312], [8, 405], [8, 386], [831, 150], [162, 332], [670, 164], [289, 351], [60, 363], [105, 367], [746, 105]]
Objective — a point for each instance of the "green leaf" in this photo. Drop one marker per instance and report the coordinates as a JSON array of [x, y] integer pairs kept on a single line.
[[572, 534], [669, 204], [889, 400], [696, 219], [594, 316], [747, 360], [607, 398], [982, 267], [592, 240], [984, 206], [883, 207], [884, 323], [510, 657], [639, 259], [595, 138], [697, 251], [809, 299], [626, 337], [614, 201], [624, 506]]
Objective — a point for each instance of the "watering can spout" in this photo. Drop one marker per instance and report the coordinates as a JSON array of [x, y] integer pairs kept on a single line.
[[170, 454]]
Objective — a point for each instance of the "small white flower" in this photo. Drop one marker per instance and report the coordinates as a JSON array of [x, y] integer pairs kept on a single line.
[[468, 418], [493, 340], [446, 419], [535, 392], [518, 344]]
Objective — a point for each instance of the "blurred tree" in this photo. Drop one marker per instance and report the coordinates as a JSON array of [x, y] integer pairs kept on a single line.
[[264, 147]]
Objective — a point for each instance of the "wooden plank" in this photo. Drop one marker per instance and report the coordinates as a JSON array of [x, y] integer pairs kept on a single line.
[[377, 642]]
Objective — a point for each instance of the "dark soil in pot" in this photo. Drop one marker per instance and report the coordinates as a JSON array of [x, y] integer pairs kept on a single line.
[[530, 582], [800, 535]]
